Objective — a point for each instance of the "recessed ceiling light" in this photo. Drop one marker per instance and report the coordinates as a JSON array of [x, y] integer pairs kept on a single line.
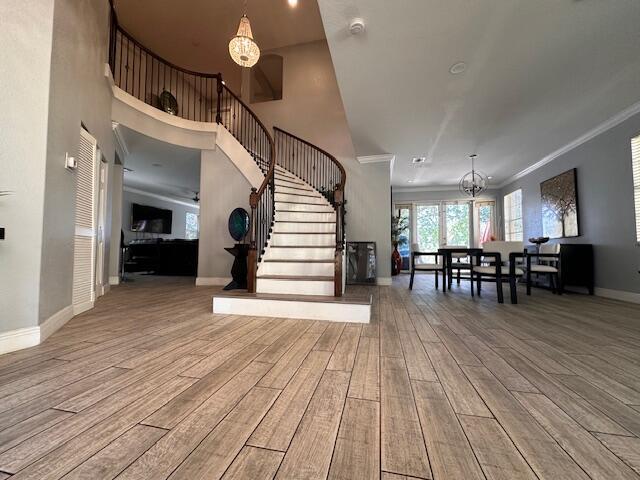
[[127, 169], [457, 68], [416, 160], [293, 3], [410, 181], [489, 177]]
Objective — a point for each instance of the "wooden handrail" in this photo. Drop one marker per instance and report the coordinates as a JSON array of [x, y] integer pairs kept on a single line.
[[324, 152]]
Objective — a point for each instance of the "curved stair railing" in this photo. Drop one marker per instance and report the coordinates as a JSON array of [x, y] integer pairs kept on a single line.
[[201, 97], [323, 172]]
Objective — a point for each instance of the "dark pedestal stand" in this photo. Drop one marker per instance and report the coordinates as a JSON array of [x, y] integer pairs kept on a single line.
[[239, 268]]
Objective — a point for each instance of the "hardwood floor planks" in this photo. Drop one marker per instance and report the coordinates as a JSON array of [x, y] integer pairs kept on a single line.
[[150, 384], [357, 448], [255, 464], [309, 455]]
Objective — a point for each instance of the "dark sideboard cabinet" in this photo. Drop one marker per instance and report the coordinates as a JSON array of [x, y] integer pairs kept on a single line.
[[576, 267]]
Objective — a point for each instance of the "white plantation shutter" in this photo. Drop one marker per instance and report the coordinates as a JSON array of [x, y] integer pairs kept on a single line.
[[513, 225], [85, 234], [635, 166]]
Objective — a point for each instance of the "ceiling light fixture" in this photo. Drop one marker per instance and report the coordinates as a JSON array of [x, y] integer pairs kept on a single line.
[[242, 48], [416, 160], [293, 3], [457, 68], [473, 183]]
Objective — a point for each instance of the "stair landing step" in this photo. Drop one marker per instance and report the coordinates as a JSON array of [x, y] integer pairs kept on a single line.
[[352, 309]]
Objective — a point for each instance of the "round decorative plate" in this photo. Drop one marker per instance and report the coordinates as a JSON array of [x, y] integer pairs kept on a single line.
[[168, 103], [238, 224]]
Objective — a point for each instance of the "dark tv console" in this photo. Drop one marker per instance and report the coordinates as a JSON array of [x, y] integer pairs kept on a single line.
[[162, 257]]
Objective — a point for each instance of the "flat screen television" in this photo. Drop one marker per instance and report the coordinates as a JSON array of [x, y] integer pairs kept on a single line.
[[150, 219]]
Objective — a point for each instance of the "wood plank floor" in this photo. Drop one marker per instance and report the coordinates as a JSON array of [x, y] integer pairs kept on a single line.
[[151, 385]]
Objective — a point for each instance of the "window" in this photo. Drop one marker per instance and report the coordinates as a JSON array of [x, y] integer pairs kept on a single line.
[[635, 166], [191, 230], [513, 216]]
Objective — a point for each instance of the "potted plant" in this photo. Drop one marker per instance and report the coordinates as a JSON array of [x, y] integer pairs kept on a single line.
[[398, 226]]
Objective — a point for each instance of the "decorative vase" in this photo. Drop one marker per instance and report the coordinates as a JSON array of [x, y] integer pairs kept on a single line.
[[396, 260]]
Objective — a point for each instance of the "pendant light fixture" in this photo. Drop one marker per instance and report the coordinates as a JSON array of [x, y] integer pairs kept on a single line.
[[473, 183], [242, 48]]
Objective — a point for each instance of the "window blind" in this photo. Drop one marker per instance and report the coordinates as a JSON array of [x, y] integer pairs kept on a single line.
[[513, 228]]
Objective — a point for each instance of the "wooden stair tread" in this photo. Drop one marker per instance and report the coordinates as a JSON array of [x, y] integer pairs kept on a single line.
[[305, 233], [303, 246], [303, 211], [304, 221], [313, 278], [296, 261], [304, 203]]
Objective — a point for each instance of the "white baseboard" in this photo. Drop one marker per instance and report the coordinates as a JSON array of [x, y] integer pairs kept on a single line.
[[632, 297], [19, 339], [55, 321], [114, 280], [211, 281], [82, 307], [384, 281]]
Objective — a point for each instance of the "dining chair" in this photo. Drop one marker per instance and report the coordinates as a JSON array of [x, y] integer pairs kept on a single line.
[[458, 265], [547, 263], [498, 262], [419, 263]]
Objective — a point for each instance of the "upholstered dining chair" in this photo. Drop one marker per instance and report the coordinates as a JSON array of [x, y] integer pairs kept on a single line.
[[499, 262], [419, 263], [547, 263], [459, 261]]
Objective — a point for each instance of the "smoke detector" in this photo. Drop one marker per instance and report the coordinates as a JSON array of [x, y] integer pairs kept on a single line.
[[356, 26]]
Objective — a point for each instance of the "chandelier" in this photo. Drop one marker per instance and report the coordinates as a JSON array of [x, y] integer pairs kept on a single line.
[[243, 50], [473, 182]]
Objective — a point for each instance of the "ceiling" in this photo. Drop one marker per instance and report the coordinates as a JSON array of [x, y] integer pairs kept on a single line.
[[159, 167], [539, 74], [195, 34]]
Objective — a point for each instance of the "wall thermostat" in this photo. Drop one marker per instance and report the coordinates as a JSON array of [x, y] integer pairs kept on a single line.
[[70, 163]]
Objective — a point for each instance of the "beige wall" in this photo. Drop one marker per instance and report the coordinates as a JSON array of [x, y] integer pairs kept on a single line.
[[312, 108], [25, 42], [222, 188]]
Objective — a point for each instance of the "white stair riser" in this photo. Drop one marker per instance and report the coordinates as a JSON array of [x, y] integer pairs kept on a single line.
[[288, 197], [274, 253], [293, 227], [289, 180], [295, 191], [294, 287], [294, 239], [305, 217], [301, 268], [302, 309], [303, 207]]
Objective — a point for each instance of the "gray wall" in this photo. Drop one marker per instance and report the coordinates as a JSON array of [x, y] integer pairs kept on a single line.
[[605, 197], [79, 94], [25, 42], [311, 108], [178, 220], [222, 188]]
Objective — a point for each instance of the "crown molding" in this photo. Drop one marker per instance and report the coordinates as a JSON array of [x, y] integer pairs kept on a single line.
[[594, 132], [160, 197], [435, 188], [386, 157]]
